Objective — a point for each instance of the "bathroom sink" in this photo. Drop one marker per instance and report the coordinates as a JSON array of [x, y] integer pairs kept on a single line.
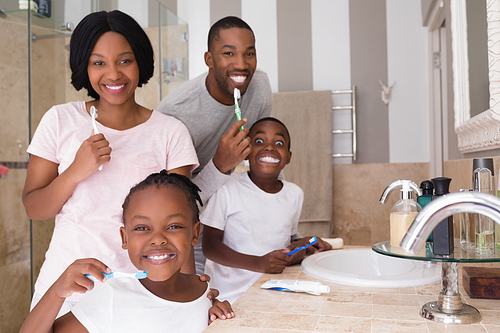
[[366, 268]]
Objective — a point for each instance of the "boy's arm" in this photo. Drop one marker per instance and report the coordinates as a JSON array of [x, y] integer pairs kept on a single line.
[[215, 250]]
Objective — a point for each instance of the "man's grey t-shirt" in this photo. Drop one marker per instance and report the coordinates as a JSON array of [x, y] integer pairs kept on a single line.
[[207, 119]]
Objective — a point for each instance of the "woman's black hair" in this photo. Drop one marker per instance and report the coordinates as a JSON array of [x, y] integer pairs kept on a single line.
[[276, 121], [88, 31], [163, 178]]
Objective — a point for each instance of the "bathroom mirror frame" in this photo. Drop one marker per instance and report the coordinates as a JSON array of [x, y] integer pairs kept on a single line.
[[481, 132]]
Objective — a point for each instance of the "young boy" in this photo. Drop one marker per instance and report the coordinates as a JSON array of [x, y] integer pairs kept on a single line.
[[161, 224], [250, 221]]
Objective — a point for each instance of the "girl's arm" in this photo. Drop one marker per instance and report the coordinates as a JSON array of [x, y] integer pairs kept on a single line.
[[42, 318], [45, 191], [215, 250]]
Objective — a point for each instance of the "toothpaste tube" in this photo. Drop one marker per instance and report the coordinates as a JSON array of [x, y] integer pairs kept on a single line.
[[311, 287]]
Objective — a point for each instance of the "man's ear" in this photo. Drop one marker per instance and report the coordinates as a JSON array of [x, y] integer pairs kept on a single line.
[[196, 233], [124, 238], [288, 157], [209, 60]]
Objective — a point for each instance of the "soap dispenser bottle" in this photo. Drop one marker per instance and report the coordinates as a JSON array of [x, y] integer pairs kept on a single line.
[[402, 214], [404, 211], [443, 233]]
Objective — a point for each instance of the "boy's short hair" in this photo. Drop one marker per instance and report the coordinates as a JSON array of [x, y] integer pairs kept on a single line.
[[175, 180], [227, 22], [277, 121], [88, 31]]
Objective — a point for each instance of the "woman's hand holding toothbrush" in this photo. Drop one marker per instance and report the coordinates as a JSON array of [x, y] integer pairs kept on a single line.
[[92, 153]]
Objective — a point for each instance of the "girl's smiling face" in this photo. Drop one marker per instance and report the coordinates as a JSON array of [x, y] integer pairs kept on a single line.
[[159, 231], [112, 69]]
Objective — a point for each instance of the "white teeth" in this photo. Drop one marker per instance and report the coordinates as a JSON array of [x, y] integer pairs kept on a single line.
[[238, 79], [115, 87], [159, 257], [269, 159]]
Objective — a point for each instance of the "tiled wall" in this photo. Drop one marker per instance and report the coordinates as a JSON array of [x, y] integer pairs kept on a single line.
[[358, 217]]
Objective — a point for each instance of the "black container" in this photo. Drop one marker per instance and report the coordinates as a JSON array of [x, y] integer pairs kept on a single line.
[[45, 7], [443, 233]]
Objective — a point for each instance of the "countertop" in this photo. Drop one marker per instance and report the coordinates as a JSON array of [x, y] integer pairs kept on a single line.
[[347, 309]]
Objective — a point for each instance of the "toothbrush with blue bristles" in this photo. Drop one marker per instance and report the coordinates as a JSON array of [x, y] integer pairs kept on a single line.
[[237, 96], [138, 275], [312, 241]]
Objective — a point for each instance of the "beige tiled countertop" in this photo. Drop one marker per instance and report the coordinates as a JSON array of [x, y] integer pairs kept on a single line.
[[346, 309]]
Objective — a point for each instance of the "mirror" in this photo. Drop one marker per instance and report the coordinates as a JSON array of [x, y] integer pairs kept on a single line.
[[481, 132]]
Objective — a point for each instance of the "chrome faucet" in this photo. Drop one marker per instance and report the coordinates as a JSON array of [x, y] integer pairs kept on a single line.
[[444, 206], [392, 186]]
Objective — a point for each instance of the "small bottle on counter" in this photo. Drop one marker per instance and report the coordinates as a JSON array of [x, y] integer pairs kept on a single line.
[[427, 188], [442, 242]]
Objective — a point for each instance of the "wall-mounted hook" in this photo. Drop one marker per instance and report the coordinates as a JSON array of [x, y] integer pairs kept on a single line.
[[386, 92]]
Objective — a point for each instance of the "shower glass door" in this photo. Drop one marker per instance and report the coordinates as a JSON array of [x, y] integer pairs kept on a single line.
[[34, 76]]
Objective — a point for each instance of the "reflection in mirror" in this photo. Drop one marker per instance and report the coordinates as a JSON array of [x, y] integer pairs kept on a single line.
[[482, 131]]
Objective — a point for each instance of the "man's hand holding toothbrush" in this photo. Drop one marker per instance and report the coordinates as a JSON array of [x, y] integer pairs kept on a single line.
[[234, 146]]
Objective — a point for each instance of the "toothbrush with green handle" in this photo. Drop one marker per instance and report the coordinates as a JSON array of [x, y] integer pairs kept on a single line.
[[312, 241], [237, 96], [138, 275]]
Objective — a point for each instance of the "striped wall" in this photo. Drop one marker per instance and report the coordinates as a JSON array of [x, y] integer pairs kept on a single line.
[[333, 44]]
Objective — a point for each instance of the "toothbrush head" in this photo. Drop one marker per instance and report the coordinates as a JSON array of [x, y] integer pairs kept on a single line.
[[313, 240], [237, 94], [93, 112], [141, 274]]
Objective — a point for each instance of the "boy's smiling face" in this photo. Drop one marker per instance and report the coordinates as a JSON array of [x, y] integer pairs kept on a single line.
[[270, 151], [159, 231]]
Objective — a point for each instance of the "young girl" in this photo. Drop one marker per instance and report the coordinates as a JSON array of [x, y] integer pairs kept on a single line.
[[160, 226], [110, 55]]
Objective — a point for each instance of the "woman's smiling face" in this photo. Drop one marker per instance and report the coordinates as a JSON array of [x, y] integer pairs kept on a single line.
[[112, 69], [159, 231]]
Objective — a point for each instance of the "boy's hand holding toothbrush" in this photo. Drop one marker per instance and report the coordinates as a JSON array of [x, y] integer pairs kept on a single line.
[[274, 262], [73, 279]]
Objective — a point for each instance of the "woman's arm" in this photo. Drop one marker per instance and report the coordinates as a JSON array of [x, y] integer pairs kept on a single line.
[[215, 250], [45, 191], [183, 170]]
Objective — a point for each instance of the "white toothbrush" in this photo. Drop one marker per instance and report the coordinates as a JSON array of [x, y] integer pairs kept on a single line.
[[312, 241], [237, 96], [93, 113], [138, 275]]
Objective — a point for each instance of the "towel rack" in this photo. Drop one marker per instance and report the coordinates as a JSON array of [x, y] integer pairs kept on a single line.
[[352, 130]]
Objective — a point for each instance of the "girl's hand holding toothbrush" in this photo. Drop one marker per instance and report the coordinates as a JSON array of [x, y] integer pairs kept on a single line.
[[73, 279]]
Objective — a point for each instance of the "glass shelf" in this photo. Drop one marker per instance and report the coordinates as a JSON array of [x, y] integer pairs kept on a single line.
[[459, 255], [38, 20]]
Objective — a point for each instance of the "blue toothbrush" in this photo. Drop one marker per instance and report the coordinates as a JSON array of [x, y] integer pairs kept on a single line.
[[312, 241], [138, 275]]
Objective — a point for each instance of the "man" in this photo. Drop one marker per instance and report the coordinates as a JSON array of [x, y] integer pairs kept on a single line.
[[206, 106]]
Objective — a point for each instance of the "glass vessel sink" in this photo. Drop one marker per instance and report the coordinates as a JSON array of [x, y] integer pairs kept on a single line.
[[366, 268]]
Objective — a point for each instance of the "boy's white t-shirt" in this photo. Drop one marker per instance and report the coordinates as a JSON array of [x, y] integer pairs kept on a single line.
[[254, 222], [88, 224], [124, 305]]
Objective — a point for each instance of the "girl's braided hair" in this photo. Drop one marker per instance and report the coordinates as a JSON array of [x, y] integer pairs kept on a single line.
[[163, 178]]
